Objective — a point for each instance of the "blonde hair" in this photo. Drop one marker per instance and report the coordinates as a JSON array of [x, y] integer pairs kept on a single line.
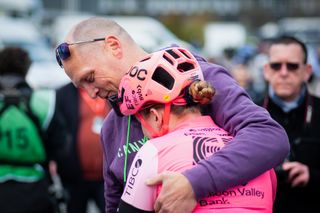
[[201, 92]]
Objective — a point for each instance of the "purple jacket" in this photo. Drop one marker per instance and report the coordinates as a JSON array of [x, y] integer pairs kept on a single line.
[[259, 144]]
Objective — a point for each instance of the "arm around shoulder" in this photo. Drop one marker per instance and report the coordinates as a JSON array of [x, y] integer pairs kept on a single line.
[[259, 142]]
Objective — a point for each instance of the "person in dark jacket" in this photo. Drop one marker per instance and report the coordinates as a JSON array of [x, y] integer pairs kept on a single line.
[[289, 102], [81, 172]]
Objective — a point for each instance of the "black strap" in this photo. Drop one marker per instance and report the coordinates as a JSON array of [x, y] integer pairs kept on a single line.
[[21, 101], [125, 207], [114, 101], [308, 110]]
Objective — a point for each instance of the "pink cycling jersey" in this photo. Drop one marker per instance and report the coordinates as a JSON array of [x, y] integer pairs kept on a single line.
[[185, 146]]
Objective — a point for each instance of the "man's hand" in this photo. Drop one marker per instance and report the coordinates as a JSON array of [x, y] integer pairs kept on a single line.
[[176, 194], [299, 174]]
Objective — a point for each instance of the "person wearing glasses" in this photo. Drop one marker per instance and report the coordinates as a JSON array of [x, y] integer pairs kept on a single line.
[[98, 52], [180, 136], [289, 102]]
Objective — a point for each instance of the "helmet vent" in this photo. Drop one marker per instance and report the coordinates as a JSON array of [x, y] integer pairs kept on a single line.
[[185, 66], [168, 59], [184, 53], [162, 77], [171, 52]]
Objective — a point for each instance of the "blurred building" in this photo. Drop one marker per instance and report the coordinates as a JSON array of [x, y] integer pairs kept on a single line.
[[275, 8]]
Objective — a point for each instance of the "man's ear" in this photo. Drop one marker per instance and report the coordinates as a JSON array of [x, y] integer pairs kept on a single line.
[[266, 72], [114, 46], [308, 72]]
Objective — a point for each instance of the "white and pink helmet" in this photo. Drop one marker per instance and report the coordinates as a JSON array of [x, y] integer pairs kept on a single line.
[[158, 78]]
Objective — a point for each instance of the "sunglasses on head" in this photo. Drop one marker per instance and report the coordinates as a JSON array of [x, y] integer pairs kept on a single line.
[[276, 66], [63, 51]]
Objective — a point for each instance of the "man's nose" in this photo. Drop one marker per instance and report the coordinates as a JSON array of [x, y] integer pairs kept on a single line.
[[284, 70], [91, 90]]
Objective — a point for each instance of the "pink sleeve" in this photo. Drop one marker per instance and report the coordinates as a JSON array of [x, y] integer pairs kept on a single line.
[[144, 165]]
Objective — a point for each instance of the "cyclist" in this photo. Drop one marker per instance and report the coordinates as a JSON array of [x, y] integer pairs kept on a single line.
[[165, 91]]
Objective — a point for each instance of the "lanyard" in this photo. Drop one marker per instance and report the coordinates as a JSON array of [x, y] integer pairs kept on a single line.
[[308, 109]]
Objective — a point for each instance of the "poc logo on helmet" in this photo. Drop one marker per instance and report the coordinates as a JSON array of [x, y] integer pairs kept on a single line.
[[139, 73]]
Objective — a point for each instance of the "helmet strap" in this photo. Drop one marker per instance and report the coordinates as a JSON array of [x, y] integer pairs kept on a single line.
[[166, 117]]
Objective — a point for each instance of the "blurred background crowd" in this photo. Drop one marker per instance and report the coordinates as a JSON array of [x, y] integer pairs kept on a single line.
[[233, 33]]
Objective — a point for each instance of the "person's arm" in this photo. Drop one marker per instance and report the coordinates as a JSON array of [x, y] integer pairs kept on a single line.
[[114, 136], [137, 197], [56, 134], [303, 168], [112, 187], [57, 139], [259, 144]]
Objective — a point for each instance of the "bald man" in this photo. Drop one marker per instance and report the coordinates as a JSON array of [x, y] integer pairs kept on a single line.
[[98, 52]]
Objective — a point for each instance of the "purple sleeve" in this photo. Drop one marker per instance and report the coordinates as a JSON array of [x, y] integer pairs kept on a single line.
[[259, 144], [113, 139], [113, 188]]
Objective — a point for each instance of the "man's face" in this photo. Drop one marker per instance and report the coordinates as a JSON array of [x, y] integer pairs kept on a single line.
[[286, 71], [93, 69]]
